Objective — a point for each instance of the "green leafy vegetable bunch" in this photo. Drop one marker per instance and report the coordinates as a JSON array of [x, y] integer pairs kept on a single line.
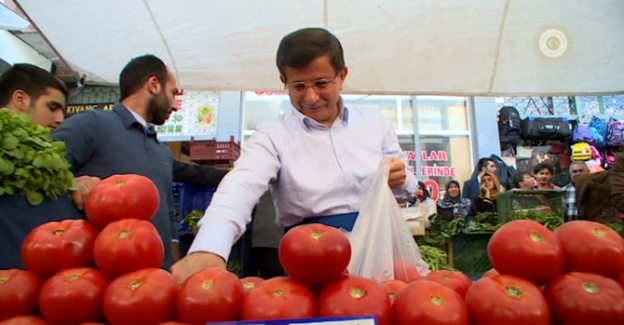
[[32, 164]]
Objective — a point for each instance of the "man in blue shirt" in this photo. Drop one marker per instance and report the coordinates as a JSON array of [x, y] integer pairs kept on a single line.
[[314, 158], [102, 143]]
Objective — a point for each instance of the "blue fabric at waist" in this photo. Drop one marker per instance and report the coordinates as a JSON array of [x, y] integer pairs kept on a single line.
[[342, 220]]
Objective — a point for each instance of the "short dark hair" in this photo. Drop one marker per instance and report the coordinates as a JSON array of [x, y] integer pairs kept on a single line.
[[542, 166], [484, 162], [32, 79], [135, 74], [303, 46], [517, 178], [424, 188]]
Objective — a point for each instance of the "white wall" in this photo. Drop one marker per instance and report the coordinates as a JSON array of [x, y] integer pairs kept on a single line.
[[485, 127], [13, 50]]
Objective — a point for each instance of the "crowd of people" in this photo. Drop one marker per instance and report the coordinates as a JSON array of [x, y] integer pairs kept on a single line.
[[481, 192]]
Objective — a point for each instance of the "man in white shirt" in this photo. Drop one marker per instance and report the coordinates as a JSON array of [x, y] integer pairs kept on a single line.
[[314, 158]]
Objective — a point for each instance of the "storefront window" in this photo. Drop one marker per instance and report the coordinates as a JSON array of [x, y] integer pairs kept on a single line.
[[444, 150], [437, 113], [260, 107]]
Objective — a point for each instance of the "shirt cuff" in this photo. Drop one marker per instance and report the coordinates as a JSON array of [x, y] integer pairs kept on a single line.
[[214, 237]]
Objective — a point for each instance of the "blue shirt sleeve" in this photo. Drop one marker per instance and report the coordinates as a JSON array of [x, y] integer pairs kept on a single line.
[[78, 135]]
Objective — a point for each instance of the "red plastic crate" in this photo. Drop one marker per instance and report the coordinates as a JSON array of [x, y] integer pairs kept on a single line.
[[214, 152]]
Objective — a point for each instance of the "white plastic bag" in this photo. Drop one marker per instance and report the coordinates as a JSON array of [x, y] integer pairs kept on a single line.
[[382, 246]]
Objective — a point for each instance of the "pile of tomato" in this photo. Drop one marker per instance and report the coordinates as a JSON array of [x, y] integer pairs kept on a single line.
[[105, 270]]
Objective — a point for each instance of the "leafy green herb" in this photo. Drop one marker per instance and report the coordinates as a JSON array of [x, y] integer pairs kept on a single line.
[[435, 257], [550, 220], [440, 231], [617, 226], [32, 164], [192, 218], [482, 222], [235, 267]]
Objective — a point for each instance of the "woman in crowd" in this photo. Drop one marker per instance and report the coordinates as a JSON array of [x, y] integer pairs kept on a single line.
[[423, 201], [486, 202], [452, 205]]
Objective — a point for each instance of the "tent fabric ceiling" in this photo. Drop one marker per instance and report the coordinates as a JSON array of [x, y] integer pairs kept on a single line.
[[477, 47], [9, 20]]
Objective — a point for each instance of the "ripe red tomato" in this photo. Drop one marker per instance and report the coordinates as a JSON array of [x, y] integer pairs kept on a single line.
[[455, 280], [620, 279], [506, 299], [128, 245], [352, 295], [393, 287], [23, 320], [250, 282], [405, 272], [526, 249], [55, 246], [19, 291], [210, 295], [585, 299], [490, 273], [121, 197], [427, 302], [143, 297], [173, 323], [314, 254], [92, 323], [279, 298], [73, 296], [591, 247]]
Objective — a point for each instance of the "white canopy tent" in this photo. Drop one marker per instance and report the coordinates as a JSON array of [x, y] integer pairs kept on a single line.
[[458, 47]]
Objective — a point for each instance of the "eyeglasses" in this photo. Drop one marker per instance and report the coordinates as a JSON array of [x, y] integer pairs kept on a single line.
[[318, 84]]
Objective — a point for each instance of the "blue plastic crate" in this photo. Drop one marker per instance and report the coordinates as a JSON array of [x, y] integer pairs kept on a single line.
[[177, 191], [193, 198]]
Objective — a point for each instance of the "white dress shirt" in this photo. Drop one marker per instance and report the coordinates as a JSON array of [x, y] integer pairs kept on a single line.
[[312, 170]]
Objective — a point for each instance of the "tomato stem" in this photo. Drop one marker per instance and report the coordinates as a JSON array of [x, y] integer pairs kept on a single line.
[[357, 293], [514, 292], [123, 234], [119, 184], [278, 293], [58, 232], [436, 301], [135, 285], [4, 280], [591, 288], [249, 285], [316, 235], [73, 277], [598, 232], [536, 237], [207, 284]]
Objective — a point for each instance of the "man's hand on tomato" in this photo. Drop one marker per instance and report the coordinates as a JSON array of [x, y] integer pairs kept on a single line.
[[195, 262], [82, 186]]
